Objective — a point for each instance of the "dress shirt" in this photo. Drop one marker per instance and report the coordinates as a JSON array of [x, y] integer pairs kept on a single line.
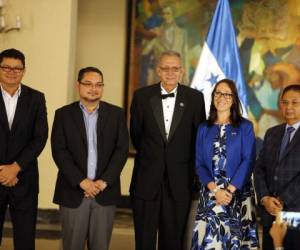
[[168, 105], [296, 126], [10, 104], [90, 122]]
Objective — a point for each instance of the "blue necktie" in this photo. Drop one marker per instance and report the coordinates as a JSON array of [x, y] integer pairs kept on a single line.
[[285, 140]]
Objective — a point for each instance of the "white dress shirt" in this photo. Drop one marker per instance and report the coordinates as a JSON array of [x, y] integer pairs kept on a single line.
[[10, 104], [168, 105]]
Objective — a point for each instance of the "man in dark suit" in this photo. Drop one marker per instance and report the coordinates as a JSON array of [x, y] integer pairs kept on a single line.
[[89, 146], [23, 135], [164, 122], [277, 170]]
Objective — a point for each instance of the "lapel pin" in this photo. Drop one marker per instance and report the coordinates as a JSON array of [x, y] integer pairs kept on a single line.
[[233, 133], [181, 104]]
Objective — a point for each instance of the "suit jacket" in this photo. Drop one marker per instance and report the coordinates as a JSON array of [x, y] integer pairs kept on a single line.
[[156, 155], [24, 142], [69, 151], [278, 177], [240, 153]]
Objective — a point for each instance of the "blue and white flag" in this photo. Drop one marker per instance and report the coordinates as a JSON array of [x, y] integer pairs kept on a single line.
[[220, 57]]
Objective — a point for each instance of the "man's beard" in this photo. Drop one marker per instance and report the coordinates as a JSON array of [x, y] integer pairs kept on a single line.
[[95, 99]]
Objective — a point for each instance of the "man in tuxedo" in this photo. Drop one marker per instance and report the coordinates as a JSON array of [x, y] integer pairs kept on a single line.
[[277, 170], [164, 121], [89, 146], [23, 135]]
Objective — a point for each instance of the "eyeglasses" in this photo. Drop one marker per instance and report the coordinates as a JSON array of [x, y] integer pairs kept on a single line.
[[286, 103], [8, 69], [170, 69], [227, 96], [90, 85]]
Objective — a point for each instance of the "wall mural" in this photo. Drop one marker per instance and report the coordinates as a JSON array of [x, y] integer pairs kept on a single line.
[[268, 33]]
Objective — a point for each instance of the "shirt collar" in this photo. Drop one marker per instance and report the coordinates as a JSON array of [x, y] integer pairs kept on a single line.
[[5, 93], [295, 125], [163, 91], [81, 105]]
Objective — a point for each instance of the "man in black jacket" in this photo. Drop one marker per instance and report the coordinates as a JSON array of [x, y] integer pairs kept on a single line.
[[164, 121], [23, 135], [89, 146], [277, 170]]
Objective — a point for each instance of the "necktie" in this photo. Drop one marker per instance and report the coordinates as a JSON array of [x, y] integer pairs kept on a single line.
[[164, 96], [285, 140]]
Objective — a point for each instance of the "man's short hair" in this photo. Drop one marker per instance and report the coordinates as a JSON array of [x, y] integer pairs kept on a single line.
[[293, 87], [87, 70], [169, 53], [12, 53]]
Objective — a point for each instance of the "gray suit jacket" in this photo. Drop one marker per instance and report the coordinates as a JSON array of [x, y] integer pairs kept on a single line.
[[278, 177]]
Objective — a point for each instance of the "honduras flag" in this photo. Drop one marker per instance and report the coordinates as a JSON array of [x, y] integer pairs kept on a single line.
[[220, 57]]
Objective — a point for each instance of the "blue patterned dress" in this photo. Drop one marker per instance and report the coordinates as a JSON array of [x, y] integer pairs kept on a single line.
[[231, 227]]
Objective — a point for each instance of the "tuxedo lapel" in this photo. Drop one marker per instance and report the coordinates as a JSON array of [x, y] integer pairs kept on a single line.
[[157, 109], [79, 121], [3, 115], [179, 108]]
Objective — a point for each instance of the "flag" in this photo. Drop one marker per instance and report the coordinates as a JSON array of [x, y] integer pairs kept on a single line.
[[220, 57]]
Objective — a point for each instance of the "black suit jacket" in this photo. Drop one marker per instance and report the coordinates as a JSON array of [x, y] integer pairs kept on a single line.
[[275, 177], [69, 151], [155, 154], [24, 142]]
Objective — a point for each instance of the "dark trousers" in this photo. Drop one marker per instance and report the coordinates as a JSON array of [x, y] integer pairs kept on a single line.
[[291, 240], [162, 216], [23, 213]]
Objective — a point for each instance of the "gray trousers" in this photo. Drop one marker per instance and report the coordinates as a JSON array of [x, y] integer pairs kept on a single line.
[[90, 222]]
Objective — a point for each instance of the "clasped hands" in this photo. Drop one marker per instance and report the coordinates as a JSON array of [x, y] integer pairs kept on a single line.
[[92, 188], [273, 205], [8, 174], [223, 197]]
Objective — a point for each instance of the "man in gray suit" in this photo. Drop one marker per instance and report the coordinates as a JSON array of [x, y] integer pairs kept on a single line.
[[277, 170], [90, 146]]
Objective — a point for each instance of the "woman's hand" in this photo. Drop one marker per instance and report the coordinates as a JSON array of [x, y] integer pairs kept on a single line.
[[223, 197]]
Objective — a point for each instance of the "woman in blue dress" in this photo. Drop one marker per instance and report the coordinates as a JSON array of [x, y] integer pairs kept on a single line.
[[225, 154]]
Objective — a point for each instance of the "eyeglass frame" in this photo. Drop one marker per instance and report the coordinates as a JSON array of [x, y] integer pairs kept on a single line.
[[91, 85], [9, 69], [286, 103], [170, 69], [219, 94]]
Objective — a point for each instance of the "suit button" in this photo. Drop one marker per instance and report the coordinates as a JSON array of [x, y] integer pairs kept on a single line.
[[275, 178]]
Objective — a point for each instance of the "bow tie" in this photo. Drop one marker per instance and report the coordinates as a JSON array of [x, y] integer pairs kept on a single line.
[[164, 96]]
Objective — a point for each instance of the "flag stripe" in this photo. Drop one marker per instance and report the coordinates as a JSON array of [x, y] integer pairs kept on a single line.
[[221, 45]]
